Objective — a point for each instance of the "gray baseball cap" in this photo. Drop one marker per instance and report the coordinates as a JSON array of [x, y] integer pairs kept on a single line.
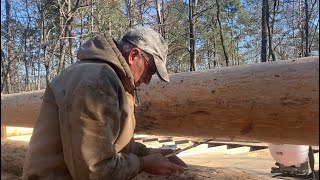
[[153, 43]]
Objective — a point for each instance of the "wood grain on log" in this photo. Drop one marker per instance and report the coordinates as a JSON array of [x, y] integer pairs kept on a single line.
[[21, 109], [276, 102]]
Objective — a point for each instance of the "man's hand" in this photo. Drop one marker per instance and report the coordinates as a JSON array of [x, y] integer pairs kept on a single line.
[[157, 164], [173, 158]]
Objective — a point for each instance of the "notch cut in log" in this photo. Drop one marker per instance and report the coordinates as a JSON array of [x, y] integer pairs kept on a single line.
[[275, 102]]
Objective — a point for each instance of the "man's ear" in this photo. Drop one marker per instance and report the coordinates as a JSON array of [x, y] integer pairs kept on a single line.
[[134, 55]]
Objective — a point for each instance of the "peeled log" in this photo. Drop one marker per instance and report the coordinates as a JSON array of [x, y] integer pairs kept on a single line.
[[21, 109], [275, 102]]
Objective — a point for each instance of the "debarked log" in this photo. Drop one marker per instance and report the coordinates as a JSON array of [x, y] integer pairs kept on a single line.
[[275, 102]]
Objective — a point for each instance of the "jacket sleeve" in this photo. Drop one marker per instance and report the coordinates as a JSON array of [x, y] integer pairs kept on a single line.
[[136, 148], [140, 149], [89, 128]]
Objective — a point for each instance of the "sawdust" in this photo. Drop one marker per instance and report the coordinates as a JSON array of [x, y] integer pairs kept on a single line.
[[13, 155], [223, 167], [192, 174], [205, 173], [9, 176]]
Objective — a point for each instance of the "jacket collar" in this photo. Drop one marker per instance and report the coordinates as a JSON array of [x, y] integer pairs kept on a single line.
[[104, 48]]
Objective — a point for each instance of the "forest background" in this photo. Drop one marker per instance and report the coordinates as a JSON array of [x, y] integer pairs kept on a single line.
[[39, 38]]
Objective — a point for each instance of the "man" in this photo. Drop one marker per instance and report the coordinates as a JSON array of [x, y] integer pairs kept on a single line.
[[86, 122]]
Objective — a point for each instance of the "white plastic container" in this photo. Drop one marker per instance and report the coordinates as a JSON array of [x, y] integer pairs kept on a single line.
[[289, 155]]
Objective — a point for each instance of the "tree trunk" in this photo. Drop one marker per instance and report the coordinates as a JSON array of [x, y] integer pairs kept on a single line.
[[26, 38], [301, 29], [275, 8], [263, 31], [10, 58], [27, 84], [269, 33], [226, 57], [132, 12], [62, 39], [62, 51], [315, 31], [214, 51], [44, 47], [209, 53], [237, 52], [160, 19], [41, 45], [71, 44], [237, 103], [81, 29], [92, 15], [3, 72], [47, 67], [25, 59], [33, 72], [39, 66], [306, 27], [192, 41], [232, 44]]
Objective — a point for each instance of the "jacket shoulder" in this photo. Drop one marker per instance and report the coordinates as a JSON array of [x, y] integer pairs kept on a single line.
[[80, 76]]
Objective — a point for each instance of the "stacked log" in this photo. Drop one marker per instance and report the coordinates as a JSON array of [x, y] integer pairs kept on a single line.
[[275, 102]]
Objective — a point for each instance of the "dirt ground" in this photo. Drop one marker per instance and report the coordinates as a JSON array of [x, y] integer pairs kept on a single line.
[[13, 166], [9, 176], [194, 173], [254, 165], [201, 173]]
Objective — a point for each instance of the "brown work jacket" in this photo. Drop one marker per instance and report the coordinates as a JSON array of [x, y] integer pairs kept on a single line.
[[86, 122]]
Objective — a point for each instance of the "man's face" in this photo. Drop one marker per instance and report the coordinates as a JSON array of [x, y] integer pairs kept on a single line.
[[142, 66]]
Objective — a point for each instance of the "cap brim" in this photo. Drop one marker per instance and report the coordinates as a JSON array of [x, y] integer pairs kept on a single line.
[[161, 69]]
